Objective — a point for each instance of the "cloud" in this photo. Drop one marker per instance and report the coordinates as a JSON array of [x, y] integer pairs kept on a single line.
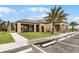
[[76, 19], [1, 15], [36, 9], [38, 17], [6, 10]]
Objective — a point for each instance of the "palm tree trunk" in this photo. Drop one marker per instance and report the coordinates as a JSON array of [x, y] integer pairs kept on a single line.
[[53, 29]]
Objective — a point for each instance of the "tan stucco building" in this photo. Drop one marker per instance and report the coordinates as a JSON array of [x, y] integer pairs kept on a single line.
[[26, 25]]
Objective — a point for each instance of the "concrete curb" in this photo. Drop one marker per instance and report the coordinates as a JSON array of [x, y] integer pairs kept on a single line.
[[11, 46]]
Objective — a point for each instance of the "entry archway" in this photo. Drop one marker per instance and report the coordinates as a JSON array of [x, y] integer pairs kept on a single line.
[[42, 28]]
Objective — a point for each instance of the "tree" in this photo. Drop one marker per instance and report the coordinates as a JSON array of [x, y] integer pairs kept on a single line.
[[1, 23], [73, 24], [8, 26], [13, 26], [56, 14]]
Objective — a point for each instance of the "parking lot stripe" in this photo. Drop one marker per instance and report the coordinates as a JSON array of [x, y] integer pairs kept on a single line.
[[69, 44], [67, 37], [38, 48]]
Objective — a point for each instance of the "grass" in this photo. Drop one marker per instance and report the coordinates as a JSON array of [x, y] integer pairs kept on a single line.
[[5, 37], [35, 35]]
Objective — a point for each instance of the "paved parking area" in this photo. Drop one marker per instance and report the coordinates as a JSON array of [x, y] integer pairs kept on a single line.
[[69, 45]]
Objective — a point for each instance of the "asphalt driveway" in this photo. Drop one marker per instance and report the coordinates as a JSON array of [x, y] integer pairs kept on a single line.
[[69, 45]]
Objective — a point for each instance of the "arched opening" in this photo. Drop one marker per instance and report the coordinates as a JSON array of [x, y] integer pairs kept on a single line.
[[37, 28], [42, 28], [57, 28]]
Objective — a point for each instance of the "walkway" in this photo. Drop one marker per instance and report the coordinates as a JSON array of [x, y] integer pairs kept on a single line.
[[20, 45], [18, 38]]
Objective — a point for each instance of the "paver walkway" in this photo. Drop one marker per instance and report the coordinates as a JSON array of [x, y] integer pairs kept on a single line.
[[18, 38]]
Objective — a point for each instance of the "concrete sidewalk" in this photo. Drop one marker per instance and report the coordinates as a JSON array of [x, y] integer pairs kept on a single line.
[[11, 46], [20, 41], [19, 38]]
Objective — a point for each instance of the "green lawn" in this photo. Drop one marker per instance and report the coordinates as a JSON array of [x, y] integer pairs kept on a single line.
[[5, 37], [35, 35]]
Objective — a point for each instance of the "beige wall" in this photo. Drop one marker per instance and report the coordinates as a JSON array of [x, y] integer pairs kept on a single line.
[[18, 27], [63, 27], [47, 27], [34, 27], [40, 27]]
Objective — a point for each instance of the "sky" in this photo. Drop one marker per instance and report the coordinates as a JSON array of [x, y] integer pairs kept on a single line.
[[35, 12]]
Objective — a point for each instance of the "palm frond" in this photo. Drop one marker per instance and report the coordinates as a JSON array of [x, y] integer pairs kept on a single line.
[[61, 12], [58, 10]]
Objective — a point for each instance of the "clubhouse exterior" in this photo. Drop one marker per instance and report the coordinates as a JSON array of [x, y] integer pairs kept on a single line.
[[26, 25]]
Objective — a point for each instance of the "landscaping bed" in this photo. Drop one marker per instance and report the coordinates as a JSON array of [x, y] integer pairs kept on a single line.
[[5, 37]]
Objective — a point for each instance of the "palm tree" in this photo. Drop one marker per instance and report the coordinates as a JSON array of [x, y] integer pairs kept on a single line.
[[56, 14], [73, 24]]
